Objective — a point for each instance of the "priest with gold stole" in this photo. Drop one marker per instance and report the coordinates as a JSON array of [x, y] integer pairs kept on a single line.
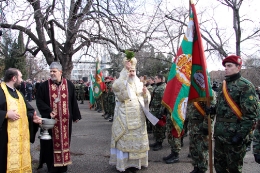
[[129, 141], [18, 125], [56, 99]]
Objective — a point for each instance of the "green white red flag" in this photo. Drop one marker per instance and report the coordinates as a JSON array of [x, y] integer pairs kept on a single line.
[[186, 79], [91, 93], [99, 85]]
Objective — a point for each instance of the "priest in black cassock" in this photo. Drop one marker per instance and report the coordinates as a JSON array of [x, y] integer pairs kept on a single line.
[[56, 99], [18, 125]]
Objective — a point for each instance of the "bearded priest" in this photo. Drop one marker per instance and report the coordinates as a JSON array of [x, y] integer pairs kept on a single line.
[[56, 99], [129, 141]]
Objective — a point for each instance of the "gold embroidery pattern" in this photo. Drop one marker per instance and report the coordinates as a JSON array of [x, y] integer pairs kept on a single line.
[[64, 132], [57, 144], [53, 87], [56, 132], [18, 154], [64, 107], [64, 95], [60, 130], [54, 96], [63, 87]]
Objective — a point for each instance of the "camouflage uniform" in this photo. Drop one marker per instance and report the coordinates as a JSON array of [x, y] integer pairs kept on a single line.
[[99, 103], [232, 134], [175, 143], [81, 92], [256, 139], [77, 91], [198, 132], [157, 109], [105, 103], [111, 101]]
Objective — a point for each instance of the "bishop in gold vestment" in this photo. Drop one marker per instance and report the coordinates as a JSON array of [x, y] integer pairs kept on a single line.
[[129, 141]]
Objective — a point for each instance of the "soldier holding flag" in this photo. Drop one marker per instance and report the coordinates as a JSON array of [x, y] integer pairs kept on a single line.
[[236, 113]]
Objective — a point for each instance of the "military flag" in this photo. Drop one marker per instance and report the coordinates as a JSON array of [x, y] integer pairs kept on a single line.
[[99, 85], [200, 79], [91, 93], [188, 68]]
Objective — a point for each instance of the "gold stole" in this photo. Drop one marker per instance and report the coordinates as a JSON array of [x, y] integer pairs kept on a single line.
[[199, 108], [232, 104], [60, 132], [18, 147]]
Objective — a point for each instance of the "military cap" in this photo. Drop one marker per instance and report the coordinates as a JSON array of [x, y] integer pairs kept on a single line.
[[233, 59]]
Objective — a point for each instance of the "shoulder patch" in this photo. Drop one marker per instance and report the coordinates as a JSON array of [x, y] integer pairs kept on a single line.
[[251, 97]]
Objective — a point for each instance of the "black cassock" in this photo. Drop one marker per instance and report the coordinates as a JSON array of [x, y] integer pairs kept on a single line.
[[43, 105], [3, 126]]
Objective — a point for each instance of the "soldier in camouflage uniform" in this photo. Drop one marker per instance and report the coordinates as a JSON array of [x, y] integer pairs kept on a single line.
[[105, 99], [256, 139], [81, 91], [157, 109], [198, 128], [77, 90], [175, 143], [99, 103], [233, 123], [111, 100]]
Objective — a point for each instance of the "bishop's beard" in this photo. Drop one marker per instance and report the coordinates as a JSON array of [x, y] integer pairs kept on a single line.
[[131, 79]]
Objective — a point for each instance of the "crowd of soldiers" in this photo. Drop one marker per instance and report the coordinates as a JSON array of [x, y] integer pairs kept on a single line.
[[106, 101], [230, 132], [81, 90], [196, 123]]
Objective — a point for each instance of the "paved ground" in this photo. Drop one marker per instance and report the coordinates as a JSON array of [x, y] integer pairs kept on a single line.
[[90, 149]]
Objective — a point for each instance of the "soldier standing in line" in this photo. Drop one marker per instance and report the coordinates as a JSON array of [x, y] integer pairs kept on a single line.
[[236, 113], [198, 127], [81, 91], [105, 99], [77, 89], [158, 110], [175, 142], [99, 103], [111, 100]]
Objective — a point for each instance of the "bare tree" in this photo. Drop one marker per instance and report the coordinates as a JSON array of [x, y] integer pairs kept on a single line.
[[218, 41], [60, 29]]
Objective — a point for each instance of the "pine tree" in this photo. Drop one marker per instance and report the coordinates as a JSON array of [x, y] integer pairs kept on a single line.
[[14, 54]]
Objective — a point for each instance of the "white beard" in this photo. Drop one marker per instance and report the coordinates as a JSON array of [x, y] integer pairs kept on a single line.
[[131, 79]]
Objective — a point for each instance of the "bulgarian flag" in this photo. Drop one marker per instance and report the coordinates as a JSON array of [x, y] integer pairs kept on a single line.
[[99, 85], [91, 93], [188, 75]]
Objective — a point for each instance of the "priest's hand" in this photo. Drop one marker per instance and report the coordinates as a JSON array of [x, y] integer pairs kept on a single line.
[[37, 119], [76, 121], [53, 114], [11, 114], [127, 65]]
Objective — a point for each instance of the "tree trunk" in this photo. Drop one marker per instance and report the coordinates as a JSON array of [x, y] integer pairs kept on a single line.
[[67, 66]]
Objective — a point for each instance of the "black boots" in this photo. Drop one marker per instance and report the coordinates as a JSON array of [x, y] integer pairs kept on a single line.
[[172, 158], [152, 145], [158, 146], [197, 170], [107, 116], [168, 157]]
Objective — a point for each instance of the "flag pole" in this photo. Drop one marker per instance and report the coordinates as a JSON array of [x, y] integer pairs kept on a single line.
[[206, 86]]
